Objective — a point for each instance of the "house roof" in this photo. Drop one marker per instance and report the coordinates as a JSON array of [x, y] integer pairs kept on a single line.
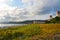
[[58, 12]]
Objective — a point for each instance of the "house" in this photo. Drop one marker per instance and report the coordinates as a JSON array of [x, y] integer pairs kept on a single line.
[[50, 16], [39, 21], [58, 13]]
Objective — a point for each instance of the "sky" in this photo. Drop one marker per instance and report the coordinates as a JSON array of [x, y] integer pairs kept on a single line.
[[20, 10]]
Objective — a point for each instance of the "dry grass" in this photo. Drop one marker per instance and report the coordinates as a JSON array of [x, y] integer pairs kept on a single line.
[[49, 32]]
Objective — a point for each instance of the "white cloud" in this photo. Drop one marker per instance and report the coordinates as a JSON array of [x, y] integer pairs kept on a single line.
[[4, 5], [33, 9], [4, 1]]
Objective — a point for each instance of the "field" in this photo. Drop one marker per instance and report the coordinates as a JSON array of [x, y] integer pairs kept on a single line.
[[31, 32]]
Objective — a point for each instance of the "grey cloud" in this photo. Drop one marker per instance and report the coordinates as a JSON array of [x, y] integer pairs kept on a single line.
[[38, 8]]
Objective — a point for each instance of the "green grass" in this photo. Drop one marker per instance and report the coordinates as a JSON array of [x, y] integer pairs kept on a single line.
[[19, 32], [31, 32]]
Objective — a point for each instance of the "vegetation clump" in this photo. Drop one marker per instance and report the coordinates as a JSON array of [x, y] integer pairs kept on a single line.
[[54, 20]]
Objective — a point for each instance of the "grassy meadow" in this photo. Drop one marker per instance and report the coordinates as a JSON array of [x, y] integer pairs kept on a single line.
[[31, 32]]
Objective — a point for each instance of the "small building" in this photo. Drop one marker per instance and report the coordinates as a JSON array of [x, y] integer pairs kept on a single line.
[[58, 13], [39, 21], [50, 16], [35, 22]]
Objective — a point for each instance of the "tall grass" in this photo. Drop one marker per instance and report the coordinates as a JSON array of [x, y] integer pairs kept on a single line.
[[31, 32], [19, 32]]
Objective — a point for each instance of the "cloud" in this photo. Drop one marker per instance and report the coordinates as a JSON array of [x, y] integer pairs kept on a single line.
[[43, 6], [33, 9]]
